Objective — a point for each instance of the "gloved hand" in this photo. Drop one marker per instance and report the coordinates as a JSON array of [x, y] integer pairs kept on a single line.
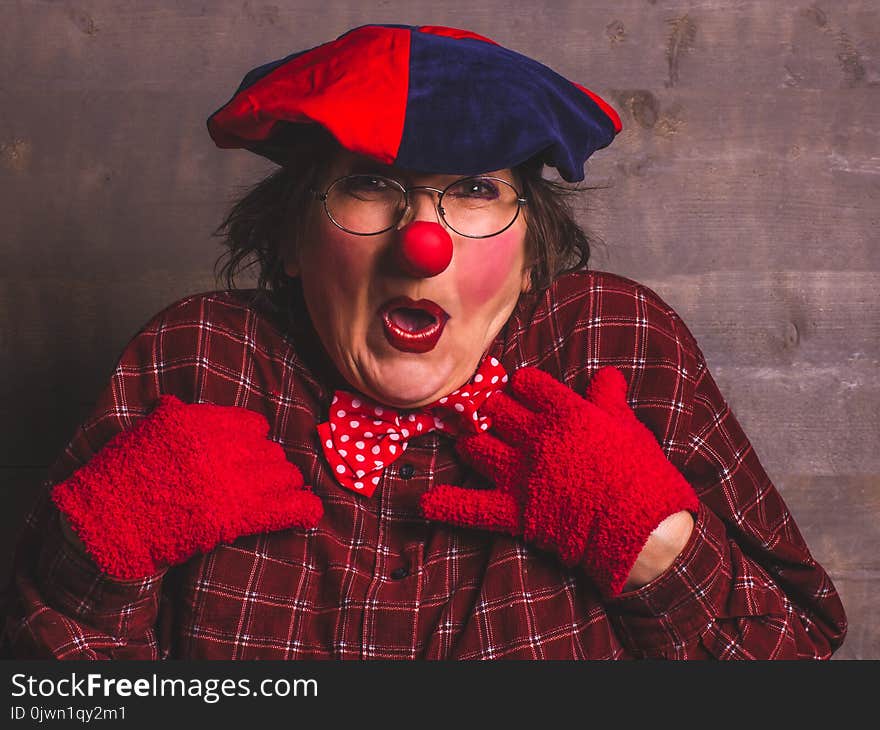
[[582, 477], [181, 480]]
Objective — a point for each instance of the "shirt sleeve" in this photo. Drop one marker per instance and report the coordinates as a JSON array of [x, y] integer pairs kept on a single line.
[[62, 606], [745, 586], [58, 603]]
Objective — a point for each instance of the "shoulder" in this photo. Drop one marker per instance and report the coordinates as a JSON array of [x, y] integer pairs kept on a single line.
[[616, 295], [232, 314], [216, 333], [229, 308], [617, 314], [587, 320]]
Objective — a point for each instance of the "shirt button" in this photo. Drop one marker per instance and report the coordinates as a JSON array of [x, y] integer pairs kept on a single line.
[[399, 573], [406, 471]]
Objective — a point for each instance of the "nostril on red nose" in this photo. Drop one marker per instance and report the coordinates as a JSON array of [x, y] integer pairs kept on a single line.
[[425, 249]]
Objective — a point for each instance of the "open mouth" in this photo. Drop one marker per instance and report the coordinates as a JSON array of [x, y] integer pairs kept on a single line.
[[413, 326]]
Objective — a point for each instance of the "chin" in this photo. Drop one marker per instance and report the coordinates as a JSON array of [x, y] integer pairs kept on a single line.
[[409, 383]]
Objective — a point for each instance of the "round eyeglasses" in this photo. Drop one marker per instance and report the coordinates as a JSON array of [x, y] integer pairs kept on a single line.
[[479, 206]]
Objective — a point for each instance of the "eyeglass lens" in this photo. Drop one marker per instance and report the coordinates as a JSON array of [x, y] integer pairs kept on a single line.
[[476, 206]]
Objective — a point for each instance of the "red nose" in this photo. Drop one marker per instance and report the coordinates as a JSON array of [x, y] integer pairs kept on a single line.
[[425, 249]]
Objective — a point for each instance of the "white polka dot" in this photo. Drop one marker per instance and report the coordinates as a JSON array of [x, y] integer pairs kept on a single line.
[[359, 444], [394, 436], [355, 403], [392, 448], [345, 437], [475, 416], [354, 424], [358, 485], [459, 407], [379, 464], [340, 413], [343, 453], [465, 395], [478, 378], [332, 426], [494, 361], [443, 399], [328, 443], [404, 432], [375, 449], [360, 473], [378, 411], [494, 379], [484, 426], [375, 480], [359, 457], [418, 427], [504, 379], [377, 423], [438, 423], [412, 417], [340, 469], [368, 434], [333, 402]]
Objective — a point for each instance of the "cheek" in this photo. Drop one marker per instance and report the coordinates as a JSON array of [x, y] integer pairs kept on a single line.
[[334, 260], [491, 267]]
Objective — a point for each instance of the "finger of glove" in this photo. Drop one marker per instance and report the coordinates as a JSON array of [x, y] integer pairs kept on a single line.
[[541, 392], [513, 422], [607, 390], [269, 457], [280, 510], [493, 458], [488, 509], [291, 508]]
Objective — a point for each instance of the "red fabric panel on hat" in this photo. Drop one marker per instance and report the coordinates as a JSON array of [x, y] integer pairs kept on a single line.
[[604, 106], [454, 33], [341, 85]]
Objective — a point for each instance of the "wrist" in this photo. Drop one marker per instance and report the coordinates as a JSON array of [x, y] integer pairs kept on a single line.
[[663, 546]]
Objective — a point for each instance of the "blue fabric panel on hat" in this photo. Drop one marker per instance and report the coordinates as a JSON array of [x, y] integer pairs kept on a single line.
[[474, 107]]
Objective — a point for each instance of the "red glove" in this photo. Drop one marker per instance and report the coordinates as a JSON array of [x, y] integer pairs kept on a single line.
[[582, 477], [179, 482]]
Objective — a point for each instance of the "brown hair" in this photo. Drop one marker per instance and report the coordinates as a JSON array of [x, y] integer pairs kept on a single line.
[[270, 219]]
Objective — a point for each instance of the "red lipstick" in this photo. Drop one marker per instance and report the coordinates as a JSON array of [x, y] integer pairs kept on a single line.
[[412, 326]]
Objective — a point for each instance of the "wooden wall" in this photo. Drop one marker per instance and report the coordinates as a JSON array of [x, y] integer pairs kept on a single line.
[[743, 189]]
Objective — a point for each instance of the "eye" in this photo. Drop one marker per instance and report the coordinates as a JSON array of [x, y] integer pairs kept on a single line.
[[368, 187], [474, 188]]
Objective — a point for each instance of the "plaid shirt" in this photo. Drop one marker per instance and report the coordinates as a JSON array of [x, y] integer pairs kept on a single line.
[[375, 579]]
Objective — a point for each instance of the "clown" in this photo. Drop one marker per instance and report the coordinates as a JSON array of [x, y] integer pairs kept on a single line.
[[430, 431]]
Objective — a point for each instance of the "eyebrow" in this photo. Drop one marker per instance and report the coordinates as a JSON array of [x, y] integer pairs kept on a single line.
[[368, 166], [374, 167]]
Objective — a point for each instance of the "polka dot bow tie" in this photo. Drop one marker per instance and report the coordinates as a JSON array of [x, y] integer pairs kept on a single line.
[[362, 436]]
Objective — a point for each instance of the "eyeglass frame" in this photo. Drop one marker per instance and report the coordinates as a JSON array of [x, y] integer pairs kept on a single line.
[[322, 196]]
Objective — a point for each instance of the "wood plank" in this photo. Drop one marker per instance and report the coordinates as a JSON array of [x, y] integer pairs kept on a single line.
[[684, 42], [815, 420], [859, 598], [837, 515], [778, 318]]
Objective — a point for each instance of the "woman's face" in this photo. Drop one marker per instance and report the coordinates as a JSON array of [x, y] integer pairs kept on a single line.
[[349, 283]]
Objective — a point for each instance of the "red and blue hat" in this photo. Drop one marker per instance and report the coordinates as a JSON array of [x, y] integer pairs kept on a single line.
[[426, 98]]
